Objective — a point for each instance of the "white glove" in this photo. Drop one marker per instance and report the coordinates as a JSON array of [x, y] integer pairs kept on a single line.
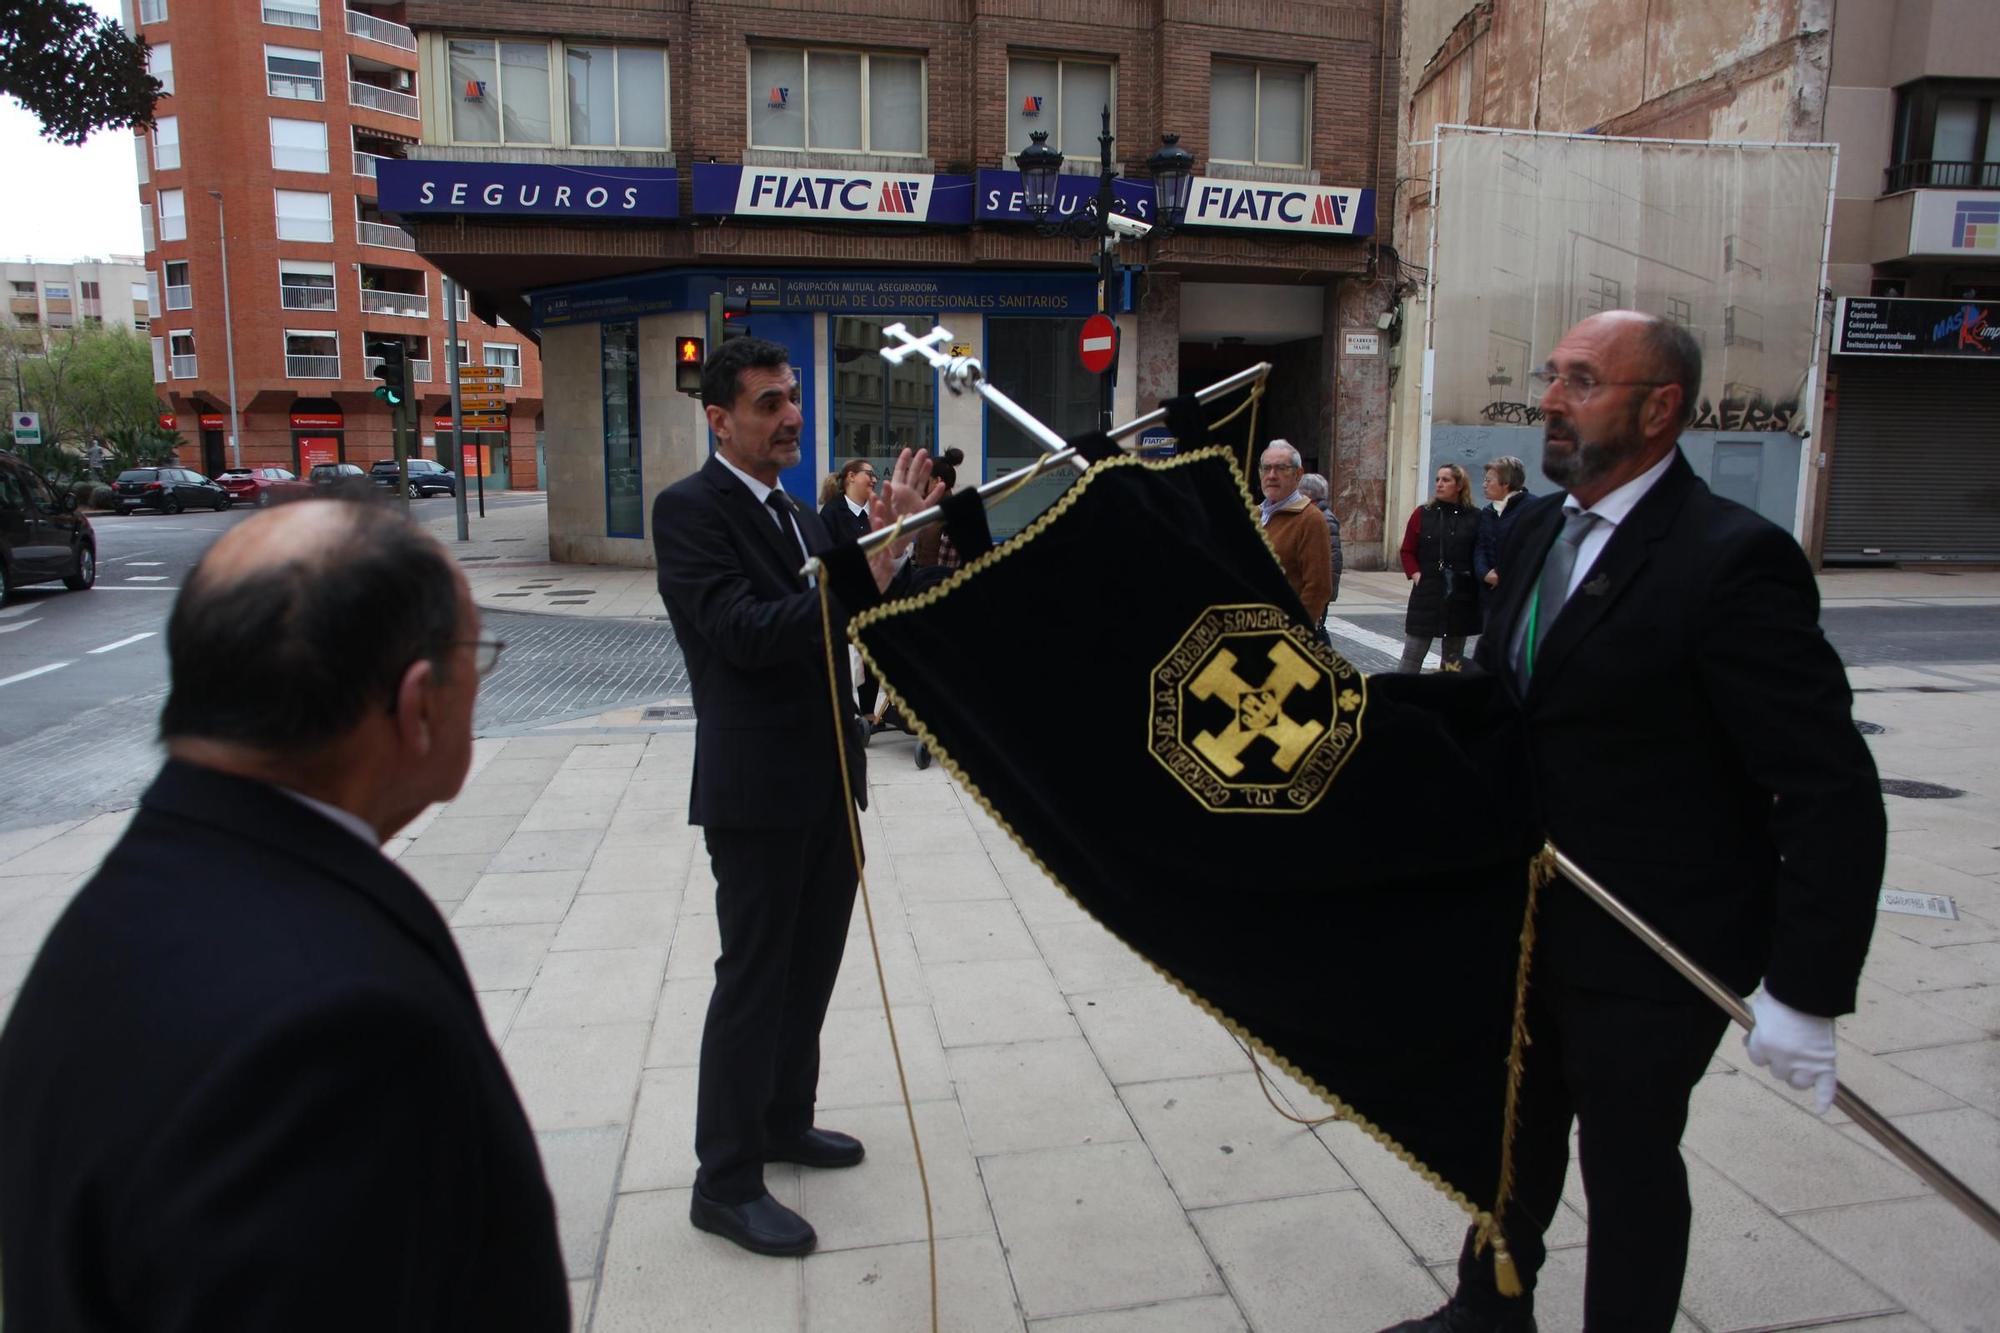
[[1796, 1047]]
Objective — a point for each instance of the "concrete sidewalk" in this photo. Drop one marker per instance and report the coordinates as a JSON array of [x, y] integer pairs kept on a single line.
[[1099, 1155]]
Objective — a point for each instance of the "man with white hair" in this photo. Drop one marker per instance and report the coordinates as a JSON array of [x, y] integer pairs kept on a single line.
[[1293, 525]]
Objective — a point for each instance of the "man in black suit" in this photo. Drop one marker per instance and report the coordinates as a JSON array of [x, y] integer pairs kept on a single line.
[[767, 783], [1695, 752], [247, 1083]]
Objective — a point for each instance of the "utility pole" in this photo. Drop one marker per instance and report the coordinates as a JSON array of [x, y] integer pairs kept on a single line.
[[458, 415], [228, 336]]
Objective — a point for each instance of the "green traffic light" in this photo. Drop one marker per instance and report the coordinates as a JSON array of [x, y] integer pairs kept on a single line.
[[389, 395]]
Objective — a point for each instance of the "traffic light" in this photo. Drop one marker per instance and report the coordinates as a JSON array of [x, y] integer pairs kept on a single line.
[[391, 373], [689, 353], [735, 317]]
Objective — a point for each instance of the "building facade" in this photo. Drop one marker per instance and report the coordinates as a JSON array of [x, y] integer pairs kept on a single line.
[[265, 147], [600, 173], [1858, 443], [46, 300]]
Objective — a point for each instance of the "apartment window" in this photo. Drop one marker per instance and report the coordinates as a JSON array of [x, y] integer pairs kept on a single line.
[[464, 352], [1947, 135], [312, 354], [160, 62], [159, 359], [293, 73], [88, 290], [1257, 114], [624, 483], [508, 357], [292, 13], [304, 216], [146, 225], [298, 145], [144, 158], [617, 96], [173, 215], [152, 11], [836, 101], [1065, 97], [500, 91], [180, 292], [151, 296], [180, 354], [55, 291], [1680, 312], [167, 143], [305, 284]]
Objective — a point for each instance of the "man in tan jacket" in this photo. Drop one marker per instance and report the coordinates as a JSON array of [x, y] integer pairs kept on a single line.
[[1296, 529]]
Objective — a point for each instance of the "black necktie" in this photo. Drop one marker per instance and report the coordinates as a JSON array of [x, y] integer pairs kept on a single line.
[[781, 504]]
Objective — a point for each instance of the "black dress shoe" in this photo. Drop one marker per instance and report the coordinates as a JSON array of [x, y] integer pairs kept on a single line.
[[762, 1226], [1457, 1318], [826, 1148]]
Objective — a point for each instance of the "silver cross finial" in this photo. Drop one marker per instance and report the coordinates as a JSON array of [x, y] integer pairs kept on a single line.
[[931, 346]]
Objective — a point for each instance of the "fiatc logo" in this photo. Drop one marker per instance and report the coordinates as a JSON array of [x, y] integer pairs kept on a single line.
[[1318, 208], [782, 193]]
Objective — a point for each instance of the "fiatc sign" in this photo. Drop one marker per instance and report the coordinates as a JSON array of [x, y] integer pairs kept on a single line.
[[1884, 326], [833, 194], [1276, 206]]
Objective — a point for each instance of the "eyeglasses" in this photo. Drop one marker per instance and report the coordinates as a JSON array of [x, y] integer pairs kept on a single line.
[[1581, 388], [1276, 467], [485, 653]]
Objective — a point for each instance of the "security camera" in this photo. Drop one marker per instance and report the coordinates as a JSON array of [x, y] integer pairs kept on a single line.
[[1130, 228]]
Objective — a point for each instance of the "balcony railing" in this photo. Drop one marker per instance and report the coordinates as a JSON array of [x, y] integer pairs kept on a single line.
[[420, 371], [294, 297], [364, 163], [382, 99], [181, 297], [381, 30], [512, 377], [1935, 173], [311, 367], [416, 305], [384, 233], [183, 366]]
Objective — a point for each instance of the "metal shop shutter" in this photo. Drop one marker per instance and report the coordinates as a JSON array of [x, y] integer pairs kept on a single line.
[[1915, 472]]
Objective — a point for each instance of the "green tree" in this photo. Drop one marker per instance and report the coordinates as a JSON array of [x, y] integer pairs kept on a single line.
[[74, 68], [91, 383]]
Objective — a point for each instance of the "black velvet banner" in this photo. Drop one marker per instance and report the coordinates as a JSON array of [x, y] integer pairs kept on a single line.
[[1335, 866]]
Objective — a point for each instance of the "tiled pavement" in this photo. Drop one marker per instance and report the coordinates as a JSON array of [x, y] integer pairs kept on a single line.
[[1099, 1155]]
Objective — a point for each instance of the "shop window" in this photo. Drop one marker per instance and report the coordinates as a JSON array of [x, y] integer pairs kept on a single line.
[[167, 143], [304, 215], [305, 285], [1036, 359], [295, 74], [1257, 114], [617, 96], [624, 484], [500, 91], [298, 145], [1065, 97], [173, 215], [160, 63], [836, 101], [879, 409], [1947, 135]]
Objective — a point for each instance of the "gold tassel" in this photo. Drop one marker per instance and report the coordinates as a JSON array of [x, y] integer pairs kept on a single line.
[[1506, 1280]]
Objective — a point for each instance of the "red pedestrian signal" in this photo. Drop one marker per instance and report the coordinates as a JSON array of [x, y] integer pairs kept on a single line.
[[689, 353]]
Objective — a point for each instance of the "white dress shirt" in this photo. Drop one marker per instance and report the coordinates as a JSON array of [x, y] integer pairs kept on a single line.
[[763, 494], [347, 819], [1612, 510]]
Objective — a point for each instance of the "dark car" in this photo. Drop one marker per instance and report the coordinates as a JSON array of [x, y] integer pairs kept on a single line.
[[42, 538], [261, 486], [167, 489], [335, 474], [426, 476]]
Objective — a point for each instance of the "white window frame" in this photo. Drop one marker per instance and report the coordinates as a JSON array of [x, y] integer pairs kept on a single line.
[[167, 143], [192, 354], [186, 302], [149, 236], [144, 153], [152, 11], [290, 334], [318, 268], [159, 359], [177, 217], [617, 104], [153, 286], [1055, 125], [279, 216], [558, 109], [272, 123], [1257, 113], [512, 379], [293, 53], [297, 9], [805, 99], [160, 64]]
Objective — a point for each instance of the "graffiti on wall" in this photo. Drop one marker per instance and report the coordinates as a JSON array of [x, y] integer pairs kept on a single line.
[[1739, 412]]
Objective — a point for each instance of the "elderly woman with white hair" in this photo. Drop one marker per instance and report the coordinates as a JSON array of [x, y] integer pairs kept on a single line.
[[1506, 492], [1314, 485]]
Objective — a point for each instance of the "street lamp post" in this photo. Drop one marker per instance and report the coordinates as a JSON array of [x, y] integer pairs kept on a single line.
[[1041, 166], [228, 336]]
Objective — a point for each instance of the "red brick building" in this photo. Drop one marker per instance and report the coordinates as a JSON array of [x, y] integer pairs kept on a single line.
[[597, 172], [275, 118]]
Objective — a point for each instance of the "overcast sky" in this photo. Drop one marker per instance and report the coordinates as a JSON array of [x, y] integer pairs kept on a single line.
[[66, 203]]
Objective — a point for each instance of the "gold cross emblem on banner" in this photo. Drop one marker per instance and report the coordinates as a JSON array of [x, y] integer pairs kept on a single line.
[[1259, 709]]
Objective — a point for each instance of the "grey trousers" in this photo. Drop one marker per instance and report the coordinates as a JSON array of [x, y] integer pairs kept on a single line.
[[1416, 645]]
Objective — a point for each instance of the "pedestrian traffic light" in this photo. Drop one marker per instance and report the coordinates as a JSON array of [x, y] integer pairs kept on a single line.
[[391, 373], [689, 353]]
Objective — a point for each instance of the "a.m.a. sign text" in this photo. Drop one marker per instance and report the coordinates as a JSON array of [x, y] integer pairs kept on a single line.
[[1276, 206], [491, 188]]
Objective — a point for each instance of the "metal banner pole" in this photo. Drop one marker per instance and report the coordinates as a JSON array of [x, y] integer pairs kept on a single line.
[[1955, 1191], [457, 412]]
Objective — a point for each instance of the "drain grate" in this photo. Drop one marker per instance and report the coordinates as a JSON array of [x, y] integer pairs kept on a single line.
[[1869, 728], [571, 592], [666, 713], [1918, 791], [468, 559]]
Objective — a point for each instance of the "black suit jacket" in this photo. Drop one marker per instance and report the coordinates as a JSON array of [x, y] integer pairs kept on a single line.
[[247, 1086], [840, 521], [765, 742], [1695, 750]]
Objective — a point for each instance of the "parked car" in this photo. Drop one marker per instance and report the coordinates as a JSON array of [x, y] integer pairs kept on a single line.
[[42, 538], [167, 489], [427, 477], [262, 486]]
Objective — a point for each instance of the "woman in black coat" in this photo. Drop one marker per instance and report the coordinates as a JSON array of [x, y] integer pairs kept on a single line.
[[1506, 493], [851, 488], [1437, 554]]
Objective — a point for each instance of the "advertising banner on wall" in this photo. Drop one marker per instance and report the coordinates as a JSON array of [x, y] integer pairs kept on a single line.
[[1957, 223], [1882, 326], [1000, 198], [833, 194], [531, 188], [1322, 210]]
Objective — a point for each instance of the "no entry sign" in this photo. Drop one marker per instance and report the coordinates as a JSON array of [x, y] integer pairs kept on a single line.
[[1098, 344]]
